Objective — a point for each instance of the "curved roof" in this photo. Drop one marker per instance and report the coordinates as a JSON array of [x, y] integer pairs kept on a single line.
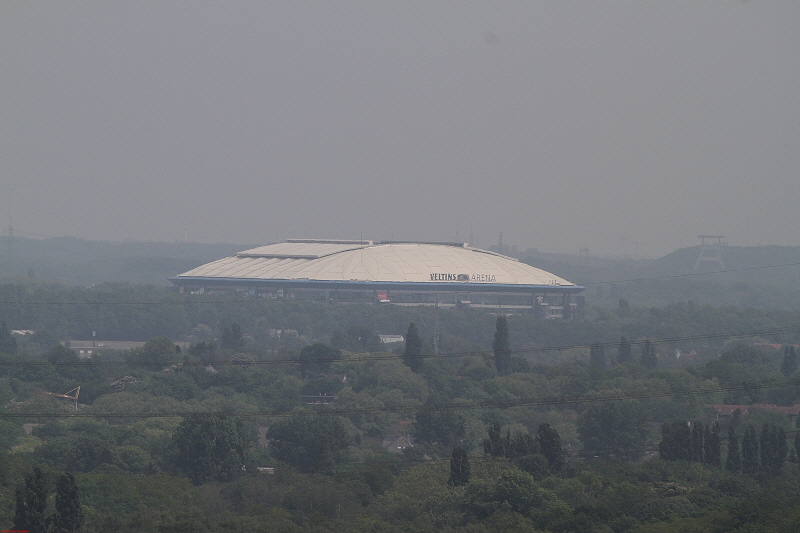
[[365, 261]]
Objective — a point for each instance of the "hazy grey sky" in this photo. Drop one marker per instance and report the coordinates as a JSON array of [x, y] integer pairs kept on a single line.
[[562, 124]]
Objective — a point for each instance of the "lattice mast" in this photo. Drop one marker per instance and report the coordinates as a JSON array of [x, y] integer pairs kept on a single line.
[[68, 395]]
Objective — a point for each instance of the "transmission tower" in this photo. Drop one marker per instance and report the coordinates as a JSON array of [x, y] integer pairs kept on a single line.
[[710, 252]]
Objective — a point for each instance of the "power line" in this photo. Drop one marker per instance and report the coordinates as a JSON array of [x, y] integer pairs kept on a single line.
[[371, 357]]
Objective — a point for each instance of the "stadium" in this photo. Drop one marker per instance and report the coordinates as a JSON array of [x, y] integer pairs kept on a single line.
[[403, 273]]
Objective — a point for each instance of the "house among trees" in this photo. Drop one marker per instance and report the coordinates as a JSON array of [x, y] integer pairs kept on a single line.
[[397, 443]]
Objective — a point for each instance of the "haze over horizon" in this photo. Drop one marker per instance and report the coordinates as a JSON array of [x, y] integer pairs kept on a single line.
[[627, 128]]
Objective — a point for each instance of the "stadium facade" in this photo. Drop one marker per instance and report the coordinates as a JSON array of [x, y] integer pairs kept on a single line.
[[403, 273]]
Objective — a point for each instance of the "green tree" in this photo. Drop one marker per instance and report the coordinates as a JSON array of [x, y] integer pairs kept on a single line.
[[69, 514], [781, 448], [232, 338], [789, 363], [156, 353], [743, 354], [317, 358], [698, 450], [624, 354], [773, 449], [210, 447], [648, 358], [495, 445], [459, 468], [797, 445], [711, 452], [31, 502], [357, 339], [89, 452], [734, 461], [676, 441], [413, 350], [8, 344], [513, 491], [766, 451], [550, 446], [501, 347], [613, 429], [446, 427], [750, 455], [597, 357], [310, 443]]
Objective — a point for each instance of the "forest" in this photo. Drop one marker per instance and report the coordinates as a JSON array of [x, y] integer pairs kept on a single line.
[[294, 416]]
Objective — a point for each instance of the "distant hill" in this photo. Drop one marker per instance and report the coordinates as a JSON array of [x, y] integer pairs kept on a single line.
[[749, 264], [82, 262], [752, 278]]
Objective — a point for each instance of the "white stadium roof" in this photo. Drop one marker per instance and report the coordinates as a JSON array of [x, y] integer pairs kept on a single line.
[[359, 262]]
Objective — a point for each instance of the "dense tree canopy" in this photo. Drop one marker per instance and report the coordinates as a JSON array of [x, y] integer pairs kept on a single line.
[[309, 443], [210, 448], [379, 457], [613, 429]]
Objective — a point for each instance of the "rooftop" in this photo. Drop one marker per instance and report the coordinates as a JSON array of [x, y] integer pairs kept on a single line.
[[367, 261]]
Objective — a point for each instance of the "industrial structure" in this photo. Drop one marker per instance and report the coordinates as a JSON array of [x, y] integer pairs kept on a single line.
[[404, 273]]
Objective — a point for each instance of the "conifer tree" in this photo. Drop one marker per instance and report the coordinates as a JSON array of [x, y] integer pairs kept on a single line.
[[780, 449], [521, 445], [649, 358], [736, 418], [501, 347], [412, 354], [766, 451], [494, 445], [789, 363], [666, 448], [712, 445], [550, 445], [597, 357], [797, 446], [698, 454], [676, 441], [69, 515], [459, 468], [750, 455], [31, 502], [734, 461], [624, 354]]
